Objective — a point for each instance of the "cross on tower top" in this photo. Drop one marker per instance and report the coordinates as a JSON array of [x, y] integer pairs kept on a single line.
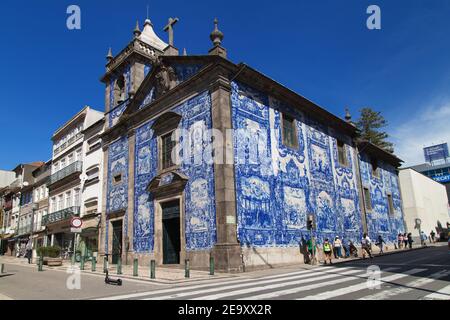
[[169, 28]]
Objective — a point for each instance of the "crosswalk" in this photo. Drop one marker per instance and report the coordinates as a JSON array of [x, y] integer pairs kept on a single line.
[[312, 284]]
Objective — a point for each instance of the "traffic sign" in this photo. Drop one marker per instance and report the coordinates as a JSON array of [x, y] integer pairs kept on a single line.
[[76, 222]]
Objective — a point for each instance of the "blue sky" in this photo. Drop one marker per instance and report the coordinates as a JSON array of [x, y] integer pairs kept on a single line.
[[320, 49]]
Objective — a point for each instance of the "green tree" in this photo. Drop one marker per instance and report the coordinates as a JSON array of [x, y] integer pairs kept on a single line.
[[370, 125]]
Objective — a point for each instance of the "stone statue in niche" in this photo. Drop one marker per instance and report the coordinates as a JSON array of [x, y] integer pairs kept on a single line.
[[165, 79]]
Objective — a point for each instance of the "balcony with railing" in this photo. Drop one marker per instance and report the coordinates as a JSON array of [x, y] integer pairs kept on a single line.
[[67, 143], [24, 229], [75, 167], [60, 215]]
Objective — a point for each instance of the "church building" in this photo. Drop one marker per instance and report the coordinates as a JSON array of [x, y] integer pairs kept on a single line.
[[207, 158]]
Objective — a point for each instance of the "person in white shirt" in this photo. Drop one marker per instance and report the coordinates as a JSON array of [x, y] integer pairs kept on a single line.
[[338, 247]]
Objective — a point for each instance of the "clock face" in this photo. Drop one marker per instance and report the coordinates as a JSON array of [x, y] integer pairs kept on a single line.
[[76, 222]]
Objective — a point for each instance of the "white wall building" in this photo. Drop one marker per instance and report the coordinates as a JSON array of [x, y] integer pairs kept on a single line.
[[425, 199], [65, 183], [92, 187]]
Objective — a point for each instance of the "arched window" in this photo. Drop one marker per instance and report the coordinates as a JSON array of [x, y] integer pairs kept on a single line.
[[119, 90]]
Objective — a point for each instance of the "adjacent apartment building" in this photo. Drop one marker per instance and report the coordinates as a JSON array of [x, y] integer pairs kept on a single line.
[[66, 180]]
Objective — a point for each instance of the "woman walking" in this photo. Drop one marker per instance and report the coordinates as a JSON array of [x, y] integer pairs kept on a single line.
[[338, 247], [327, 249], [365, 245], [379, 243]]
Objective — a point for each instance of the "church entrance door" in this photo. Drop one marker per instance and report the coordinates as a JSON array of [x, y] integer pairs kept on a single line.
[[171, 232], [116, 241]]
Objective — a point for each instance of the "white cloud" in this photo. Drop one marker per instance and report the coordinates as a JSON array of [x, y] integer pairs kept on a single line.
[[430, 125]]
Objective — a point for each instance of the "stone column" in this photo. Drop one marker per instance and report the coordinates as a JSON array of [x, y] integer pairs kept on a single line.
[[362, 200], [227, 251], [102, 232]]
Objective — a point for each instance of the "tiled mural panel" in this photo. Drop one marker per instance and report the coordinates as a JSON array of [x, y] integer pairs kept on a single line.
[[200, 219], [278, 186], [379, 221], [117, 194]]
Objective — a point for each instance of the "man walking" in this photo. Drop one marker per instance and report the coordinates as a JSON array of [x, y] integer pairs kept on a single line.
[[432, 235], [423, 239], [29, 250], [379, 243], [365, 245], [410, 240]]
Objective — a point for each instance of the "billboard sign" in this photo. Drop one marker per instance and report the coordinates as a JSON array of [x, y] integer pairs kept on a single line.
[[437, 152], [442, 179]]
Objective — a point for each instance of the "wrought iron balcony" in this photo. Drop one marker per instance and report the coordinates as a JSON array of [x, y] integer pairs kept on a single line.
[[67, 171], [60, 215], [24, 229], [67, 143]]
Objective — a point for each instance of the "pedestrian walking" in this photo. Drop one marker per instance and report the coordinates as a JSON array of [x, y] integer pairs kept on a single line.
[[327, 249], [29, 250], [405, 240], [432, 235], [423, 239], [312, 255], [337, 247], [379, 243], [353, 250], [346, 249], [409, 240], [400, 240], [365, 245]]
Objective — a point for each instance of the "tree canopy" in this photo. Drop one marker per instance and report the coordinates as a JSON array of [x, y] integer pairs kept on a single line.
[[370, 125]]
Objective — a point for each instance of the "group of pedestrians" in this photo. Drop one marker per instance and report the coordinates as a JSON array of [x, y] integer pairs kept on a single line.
[[341, 249], [404, 241]]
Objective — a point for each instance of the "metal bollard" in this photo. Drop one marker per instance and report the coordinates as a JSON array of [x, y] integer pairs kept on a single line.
[[82, 263], [105, 263], [152, 269], [2, 269], [211, 266], [119, 266], [186, 268], [40, 263], [135, 267], [94, 264]]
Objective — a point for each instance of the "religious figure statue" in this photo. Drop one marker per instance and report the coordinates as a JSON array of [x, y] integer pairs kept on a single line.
[[165, 79]]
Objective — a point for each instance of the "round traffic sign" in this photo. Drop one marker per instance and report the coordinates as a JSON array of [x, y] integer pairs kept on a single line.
[[76, 222]]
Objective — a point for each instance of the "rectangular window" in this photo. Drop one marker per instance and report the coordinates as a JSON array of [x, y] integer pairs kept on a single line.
[[374, 166], [63, 163], [117, 179], [78, 155], [289, 132], [68, 199], [60, 202], [166, 151], [367, 199], [70, 158], [53, 204], [390, 205], [76, 198], [342, 154]]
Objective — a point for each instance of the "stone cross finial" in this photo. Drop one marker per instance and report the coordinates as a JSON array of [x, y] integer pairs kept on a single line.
[[169, 28]]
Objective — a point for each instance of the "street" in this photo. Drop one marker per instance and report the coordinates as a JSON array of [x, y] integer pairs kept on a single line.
[[411, 275]]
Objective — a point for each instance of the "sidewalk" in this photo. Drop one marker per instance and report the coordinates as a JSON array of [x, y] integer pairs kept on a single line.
[[375, 252], [164, 275]]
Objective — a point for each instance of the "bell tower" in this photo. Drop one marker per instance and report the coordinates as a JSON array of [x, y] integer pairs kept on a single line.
[[126, 70]]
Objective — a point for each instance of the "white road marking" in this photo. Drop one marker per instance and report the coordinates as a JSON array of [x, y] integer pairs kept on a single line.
[[275, 286], [443, 294], [280, 293], [358, 287], [409, 287], [212, 284], [239, 285]]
